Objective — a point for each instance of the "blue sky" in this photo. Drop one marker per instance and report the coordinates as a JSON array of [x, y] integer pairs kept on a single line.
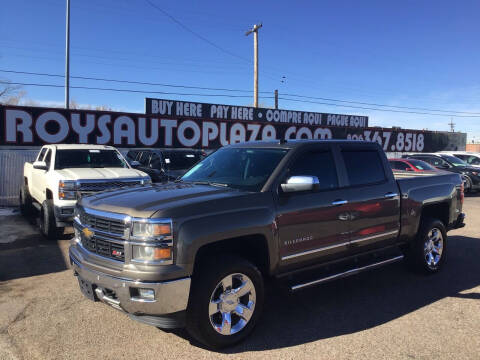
[[404, 53]]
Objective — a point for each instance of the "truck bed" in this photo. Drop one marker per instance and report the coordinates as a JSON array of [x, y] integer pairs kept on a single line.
[[399, 174], [420, 189]]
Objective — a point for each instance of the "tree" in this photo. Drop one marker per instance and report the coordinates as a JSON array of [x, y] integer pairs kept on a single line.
[[10, 94], [75, 105]]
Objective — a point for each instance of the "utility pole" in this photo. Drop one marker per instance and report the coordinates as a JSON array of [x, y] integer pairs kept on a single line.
[[67, 57], [452, 125], [276, 99], [254, 30]]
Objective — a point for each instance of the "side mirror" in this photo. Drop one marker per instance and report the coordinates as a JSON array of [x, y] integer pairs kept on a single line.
[[40, 165], [134, 164], [300, 183], [408, 169]]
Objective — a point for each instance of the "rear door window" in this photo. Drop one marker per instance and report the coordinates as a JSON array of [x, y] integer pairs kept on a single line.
[[363, 167]]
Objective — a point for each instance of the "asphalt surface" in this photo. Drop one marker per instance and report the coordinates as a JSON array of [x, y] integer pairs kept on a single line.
[[388, 313]]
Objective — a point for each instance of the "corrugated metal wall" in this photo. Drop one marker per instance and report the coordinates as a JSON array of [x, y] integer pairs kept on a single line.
[[11, 173]]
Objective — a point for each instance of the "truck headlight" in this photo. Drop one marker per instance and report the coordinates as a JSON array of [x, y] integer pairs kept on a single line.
[[146, 181], [156, 236], [151, 229], [66, 190]]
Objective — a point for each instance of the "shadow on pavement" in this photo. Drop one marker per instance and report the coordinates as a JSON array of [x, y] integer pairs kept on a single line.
[[361, 302], [25, 252]]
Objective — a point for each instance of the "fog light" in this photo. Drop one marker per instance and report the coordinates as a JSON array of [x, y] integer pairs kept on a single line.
[[67, 211], [147, 294]]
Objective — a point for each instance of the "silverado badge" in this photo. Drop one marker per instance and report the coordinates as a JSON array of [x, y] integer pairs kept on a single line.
[[88, 233]]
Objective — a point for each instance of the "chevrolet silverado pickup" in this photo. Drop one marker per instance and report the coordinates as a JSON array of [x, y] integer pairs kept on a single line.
[[62, 173], [198, 251]]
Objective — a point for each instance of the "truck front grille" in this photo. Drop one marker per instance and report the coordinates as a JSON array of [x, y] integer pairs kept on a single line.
[[111, 226], [104, 248], [105, 185]]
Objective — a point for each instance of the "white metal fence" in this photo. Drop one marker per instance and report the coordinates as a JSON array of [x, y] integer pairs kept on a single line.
[[11, 173]]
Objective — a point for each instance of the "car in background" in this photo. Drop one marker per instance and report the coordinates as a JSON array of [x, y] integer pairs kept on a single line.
[[453, 164], [164, 165], [63, 173], [411, 165], [471, 158]]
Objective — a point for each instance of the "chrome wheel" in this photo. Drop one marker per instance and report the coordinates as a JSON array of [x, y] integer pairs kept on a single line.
[[433, 248], [232, 304]]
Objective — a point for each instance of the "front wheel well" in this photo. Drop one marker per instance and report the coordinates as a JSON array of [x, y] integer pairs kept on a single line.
[[253, 248], [49, 194], [438, 211]]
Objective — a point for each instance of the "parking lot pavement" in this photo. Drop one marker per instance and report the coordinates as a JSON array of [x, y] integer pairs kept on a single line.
[[384, 314]]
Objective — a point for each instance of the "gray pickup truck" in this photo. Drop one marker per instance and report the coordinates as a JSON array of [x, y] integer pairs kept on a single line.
[[197, 252]]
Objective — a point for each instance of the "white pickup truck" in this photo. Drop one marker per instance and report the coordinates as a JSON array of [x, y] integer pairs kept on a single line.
[[63, 173]]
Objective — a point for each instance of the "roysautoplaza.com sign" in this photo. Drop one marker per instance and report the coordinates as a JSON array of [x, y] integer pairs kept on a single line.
[[168, 123]]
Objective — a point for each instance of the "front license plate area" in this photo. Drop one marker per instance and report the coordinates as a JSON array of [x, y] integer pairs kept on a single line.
[[87, 289]]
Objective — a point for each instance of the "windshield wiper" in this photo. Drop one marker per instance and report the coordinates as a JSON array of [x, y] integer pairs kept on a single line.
[[209, 183]]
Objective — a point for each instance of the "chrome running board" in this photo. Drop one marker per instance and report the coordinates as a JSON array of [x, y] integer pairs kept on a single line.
[[346, 273]]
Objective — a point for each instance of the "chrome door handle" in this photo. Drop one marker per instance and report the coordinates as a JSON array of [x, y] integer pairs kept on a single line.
[[344, 216], [390, 195], [339, 202]]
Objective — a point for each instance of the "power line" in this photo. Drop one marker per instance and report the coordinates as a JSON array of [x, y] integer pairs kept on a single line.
[[230, 96], [201, 37], [378, 109], [130, 81], [374, 104], [130, 90], [448, 112]]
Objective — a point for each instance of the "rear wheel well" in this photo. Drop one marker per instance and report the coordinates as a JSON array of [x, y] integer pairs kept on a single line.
[[436, 211], [252, 247]]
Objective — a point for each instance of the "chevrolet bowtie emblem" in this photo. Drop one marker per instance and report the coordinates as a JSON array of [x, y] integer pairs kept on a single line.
[[88, 233]]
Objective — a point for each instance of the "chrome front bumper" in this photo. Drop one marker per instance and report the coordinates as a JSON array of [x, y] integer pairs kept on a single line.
[[170, 296]]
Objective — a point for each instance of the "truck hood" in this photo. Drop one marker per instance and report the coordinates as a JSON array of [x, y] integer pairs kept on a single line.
[[145, 201], [99, 173]]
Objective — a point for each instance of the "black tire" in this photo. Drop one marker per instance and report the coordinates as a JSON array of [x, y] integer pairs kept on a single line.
[[48, 225], [26, 206], [418, 255], [204, 283]]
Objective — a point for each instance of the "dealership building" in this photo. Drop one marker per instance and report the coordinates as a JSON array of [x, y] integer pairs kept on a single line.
[[181, 124]]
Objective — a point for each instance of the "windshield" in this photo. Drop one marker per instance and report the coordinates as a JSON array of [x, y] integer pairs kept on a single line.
[[240, 168], [181, 160], [84, 158], [469, 159], [454, 160], [420, 165]]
